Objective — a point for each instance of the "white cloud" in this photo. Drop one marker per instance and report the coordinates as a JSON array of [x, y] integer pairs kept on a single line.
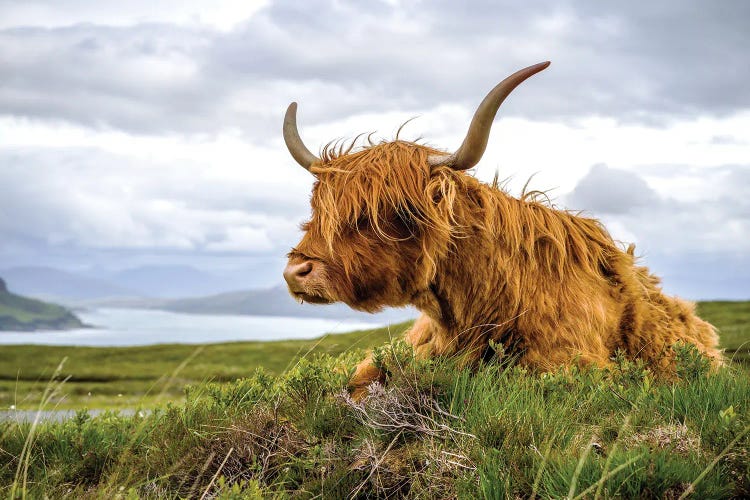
[[94, 198], [106, 188]]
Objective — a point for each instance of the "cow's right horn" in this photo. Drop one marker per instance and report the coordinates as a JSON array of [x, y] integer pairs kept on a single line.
[[294, 143], [475, 143]]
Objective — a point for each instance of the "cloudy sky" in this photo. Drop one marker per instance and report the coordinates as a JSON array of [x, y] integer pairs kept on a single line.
[[149, 132]]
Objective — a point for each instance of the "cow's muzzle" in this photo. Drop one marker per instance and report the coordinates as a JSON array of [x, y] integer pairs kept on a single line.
[[303, 280], [296, 274]]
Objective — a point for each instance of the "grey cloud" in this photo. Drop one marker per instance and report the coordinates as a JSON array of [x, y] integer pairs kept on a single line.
[[611, 191], [700, 248], [646, 64], [145, 78]]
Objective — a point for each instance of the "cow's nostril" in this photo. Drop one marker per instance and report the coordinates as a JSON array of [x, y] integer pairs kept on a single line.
[[295, 274], [305, 269]]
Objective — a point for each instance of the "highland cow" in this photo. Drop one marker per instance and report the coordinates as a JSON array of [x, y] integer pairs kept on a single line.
[[399, 223]]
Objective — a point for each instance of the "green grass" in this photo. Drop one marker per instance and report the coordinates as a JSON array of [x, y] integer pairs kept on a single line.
[[434, 431], [733, 321], [124, 377]]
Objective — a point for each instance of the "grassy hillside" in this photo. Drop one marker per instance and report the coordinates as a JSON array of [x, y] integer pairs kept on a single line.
[[112, 377], [21, 313], [435, 431]]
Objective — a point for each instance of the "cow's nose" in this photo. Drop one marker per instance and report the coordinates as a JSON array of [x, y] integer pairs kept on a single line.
[[294, 274]]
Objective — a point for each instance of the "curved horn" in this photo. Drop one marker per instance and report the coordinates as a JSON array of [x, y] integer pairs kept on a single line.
[[293, 141], [475, 143]]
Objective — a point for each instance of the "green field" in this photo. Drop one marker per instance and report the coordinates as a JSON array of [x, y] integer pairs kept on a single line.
[[733, 321], [117, 377], [434, 431]]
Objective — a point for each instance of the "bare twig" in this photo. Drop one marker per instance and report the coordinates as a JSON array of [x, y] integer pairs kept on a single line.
[[389, 409], [218, 471], [375, 466]]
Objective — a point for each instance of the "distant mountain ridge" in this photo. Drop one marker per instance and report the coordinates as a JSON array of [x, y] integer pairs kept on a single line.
[[54, 284], [19, 313], [171, 281], [152, 281], [276, 301], [179, 289]]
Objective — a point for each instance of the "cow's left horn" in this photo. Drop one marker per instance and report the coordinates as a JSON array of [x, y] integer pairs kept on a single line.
[[293, 141], [475, 143]]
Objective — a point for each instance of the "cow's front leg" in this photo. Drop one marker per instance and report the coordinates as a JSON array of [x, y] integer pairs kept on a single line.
[[425, 338], [428, 338], [365, 374]]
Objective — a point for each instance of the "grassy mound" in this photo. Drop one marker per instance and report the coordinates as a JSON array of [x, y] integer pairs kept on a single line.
[[127, 377], [434, 431]]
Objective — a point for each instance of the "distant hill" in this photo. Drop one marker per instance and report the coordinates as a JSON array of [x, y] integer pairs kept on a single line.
[[24, 314], [171, 281], [275, 302], [54, 284], [179, 281], [180, 289], [151, 281]]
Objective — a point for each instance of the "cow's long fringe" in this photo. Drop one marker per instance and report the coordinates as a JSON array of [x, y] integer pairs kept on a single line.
[[396, 176]]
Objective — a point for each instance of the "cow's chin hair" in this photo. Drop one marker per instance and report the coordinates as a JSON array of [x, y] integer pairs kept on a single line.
[[312, 299], [376, 301]]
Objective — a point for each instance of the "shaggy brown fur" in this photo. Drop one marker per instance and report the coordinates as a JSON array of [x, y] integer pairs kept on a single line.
[[387, 229]]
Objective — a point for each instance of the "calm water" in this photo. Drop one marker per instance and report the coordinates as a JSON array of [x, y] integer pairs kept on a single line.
[[123, 327]]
